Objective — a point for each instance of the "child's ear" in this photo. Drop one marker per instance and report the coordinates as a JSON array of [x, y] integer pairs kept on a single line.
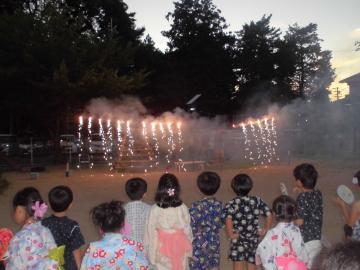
[[70, 205], [144, 195]]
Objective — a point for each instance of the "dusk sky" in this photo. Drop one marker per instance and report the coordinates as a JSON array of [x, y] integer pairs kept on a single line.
[[338, 23]]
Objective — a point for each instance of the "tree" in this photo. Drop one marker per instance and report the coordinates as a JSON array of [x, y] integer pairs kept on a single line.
[[357, 45], [47, 53], [313, 70], [263, 64], [200, 54]]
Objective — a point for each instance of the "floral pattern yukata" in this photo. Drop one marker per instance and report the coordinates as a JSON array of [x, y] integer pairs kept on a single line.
[[206, 223], [245, 213], [284, 240], [115, 252], [29, 249]]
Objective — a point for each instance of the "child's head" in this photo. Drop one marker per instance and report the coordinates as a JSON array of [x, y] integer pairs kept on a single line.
[[28, 203], [168, 191], [208, 183], [60, 198], [343, 257], [284, 208], [109, 217], [241, 184], [136, 188], [306, 175]]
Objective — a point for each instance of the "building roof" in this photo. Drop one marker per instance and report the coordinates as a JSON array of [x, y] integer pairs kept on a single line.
[[351, 79]]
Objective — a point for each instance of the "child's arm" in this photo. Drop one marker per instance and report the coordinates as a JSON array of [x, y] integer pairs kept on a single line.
[[343, 207], [230, 229], [354, 215], [78, 257]]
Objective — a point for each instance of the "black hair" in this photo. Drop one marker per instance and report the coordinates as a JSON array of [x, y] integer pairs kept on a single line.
[[168, 191], [343, 257], [357, 175], [241, 184], [208, 183], [60, 198], [284, 208], [136, 188], [109, 216], [26, 198], [306, 174]]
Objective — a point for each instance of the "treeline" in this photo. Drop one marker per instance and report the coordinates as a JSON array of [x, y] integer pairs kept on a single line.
[[56, 55]]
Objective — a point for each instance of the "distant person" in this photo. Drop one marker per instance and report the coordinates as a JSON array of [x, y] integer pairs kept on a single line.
[[206, 224], [241, 216], [29, 249], [136, 210], [283, 245], [66, 231], [113, 251], [309, 210], [343, 257], [351, 216], [168, 232]]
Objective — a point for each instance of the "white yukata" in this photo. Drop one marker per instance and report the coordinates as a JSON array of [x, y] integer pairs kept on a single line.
[[169, 221], [283, 240]]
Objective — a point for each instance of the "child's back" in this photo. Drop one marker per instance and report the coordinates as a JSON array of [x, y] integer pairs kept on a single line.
[[168, 234], [310, 209], [136, 210], [284, 242], [65, 231], [241, 216], [245, 213], [137, 213], [206, 223]]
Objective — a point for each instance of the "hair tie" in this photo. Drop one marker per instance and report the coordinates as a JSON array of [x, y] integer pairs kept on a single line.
[[39, 209], [171, 192]]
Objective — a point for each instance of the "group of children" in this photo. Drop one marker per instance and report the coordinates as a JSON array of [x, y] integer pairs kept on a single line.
[[168, 235]]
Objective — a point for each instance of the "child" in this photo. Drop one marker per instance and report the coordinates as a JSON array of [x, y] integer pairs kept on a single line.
[[168, 233], [66, 231], [352, 217], [343, 257], [284, 240], [206, 223], [309, 210], [113, 251], [136, 211], [30, 247], [241, 216], [5, 237]]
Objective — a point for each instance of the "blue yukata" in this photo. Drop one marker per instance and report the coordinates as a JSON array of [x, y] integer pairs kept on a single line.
[[206, 223], [114, 252]]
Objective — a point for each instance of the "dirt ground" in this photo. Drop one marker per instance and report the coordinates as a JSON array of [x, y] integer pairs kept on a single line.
[[93, 187]]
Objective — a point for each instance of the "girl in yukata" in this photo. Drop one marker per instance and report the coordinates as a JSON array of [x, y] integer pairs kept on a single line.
[[206, 223], [283, 246], [114, 251], [29, 248], [168, 234]]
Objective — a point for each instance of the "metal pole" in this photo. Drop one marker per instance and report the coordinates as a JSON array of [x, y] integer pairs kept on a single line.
[[31, 152]]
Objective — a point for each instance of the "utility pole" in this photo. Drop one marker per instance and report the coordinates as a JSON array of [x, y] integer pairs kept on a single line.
[[337, 93]]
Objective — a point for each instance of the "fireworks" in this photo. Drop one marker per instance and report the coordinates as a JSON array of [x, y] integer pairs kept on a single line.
[[146, 144], [260, 138]]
